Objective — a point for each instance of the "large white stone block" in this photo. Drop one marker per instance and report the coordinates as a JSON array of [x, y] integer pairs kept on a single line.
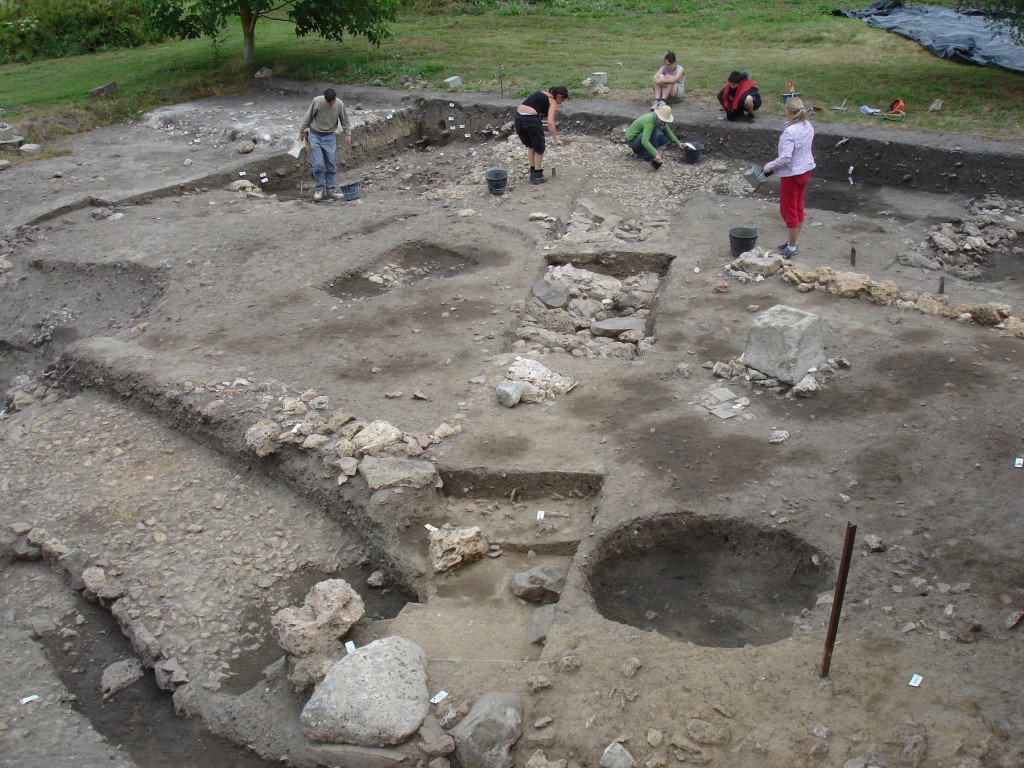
[[785, 342]]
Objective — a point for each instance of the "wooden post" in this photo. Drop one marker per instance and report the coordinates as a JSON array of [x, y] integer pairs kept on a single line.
[[837, 598]]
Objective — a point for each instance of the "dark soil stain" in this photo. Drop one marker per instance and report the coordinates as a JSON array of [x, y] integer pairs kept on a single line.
[[413, 263], [718, 583], [140, 718], [696, 458]]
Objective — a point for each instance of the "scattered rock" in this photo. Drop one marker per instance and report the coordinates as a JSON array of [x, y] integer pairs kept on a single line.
[[485, 737], [329, 610], [120, 675], [450, 546], [617, 756], [543, 584], [374, 697]]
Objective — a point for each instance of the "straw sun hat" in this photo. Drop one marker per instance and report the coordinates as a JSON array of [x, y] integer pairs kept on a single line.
[[664, 113]]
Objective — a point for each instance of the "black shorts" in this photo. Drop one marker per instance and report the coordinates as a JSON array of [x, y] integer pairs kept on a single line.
[[736, 114], [530, 131]]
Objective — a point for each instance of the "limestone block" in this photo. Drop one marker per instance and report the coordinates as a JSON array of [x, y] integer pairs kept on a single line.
[[376, 435], [397, 473], [450, 546], [120, 675], [374, 697], [785, 342], [755, 263], [328, 612], [614, 326]]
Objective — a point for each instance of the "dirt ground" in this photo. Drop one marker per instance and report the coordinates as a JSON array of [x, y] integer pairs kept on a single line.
[[153, 314]]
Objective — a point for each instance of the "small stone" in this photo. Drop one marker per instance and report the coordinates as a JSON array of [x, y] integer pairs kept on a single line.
[[630, 666]]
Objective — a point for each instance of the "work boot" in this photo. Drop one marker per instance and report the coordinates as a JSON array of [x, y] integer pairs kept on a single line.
[[537, 176]]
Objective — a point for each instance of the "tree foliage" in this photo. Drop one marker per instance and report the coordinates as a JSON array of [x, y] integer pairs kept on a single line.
[[330, 19], [38, 29]]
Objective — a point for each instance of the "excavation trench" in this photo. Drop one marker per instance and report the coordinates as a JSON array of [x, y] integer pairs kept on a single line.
[[713, 580]]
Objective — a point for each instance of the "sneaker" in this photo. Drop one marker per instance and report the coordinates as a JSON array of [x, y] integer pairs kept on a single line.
[[336, 196], [318, 196], [787, 251], [657, 103]]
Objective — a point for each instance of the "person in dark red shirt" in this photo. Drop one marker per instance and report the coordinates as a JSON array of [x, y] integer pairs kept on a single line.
[[740, 97]]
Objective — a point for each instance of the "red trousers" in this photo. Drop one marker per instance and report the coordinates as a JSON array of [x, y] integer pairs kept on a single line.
[[791, 198]]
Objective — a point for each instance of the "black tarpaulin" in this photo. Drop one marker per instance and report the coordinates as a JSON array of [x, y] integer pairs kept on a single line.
[[965, 36]]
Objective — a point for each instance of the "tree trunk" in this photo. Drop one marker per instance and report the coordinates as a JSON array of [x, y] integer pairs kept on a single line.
[[248, 19]]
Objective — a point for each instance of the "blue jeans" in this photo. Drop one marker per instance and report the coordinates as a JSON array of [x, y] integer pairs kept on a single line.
[[323, 154], [658, 139]]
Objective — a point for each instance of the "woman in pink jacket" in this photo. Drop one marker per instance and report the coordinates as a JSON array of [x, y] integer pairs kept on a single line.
[[794, 165]]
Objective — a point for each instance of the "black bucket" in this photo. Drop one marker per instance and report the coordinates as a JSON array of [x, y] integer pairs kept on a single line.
[[694, 151], [741, 240], [350, 191], [497, 180]]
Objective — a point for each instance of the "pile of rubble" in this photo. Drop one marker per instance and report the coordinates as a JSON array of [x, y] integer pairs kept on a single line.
[[308, 422], [530, 382], [736, 372], [26, 390], [590, 224], [589, 314], [966, 248]]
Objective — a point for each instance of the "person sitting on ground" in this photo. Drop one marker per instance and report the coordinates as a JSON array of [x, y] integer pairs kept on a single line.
[[538, 108], [650, 132], [667, 81], [739, 97]]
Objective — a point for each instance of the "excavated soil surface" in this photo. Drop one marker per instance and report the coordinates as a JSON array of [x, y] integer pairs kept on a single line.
[[153, 314]]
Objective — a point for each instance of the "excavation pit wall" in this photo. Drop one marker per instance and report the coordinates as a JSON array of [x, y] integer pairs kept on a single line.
[[218, 421], [714, 582]]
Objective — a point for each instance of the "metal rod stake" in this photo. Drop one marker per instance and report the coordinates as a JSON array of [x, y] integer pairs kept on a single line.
[[837, 598]]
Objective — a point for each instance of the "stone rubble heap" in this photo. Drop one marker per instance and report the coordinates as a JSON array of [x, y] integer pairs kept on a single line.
[[966, 248], [734, 371], [530, 382], [337, 436], [589, 223], [588, 314]]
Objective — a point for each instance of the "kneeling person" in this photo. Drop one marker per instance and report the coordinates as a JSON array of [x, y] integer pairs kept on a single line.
[[650, 132]]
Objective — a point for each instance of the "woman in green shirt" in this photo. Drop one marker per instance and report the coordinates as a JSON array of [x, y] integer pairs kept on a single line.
[[649, 133]]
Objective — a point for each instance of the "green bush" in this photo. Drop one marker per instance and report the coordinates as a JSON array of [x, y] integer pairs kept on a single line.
[[43, 29]]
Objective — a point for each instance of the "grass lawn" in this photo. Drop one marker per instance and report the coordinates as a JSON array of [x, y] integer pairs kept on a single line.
[[828, 59]]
